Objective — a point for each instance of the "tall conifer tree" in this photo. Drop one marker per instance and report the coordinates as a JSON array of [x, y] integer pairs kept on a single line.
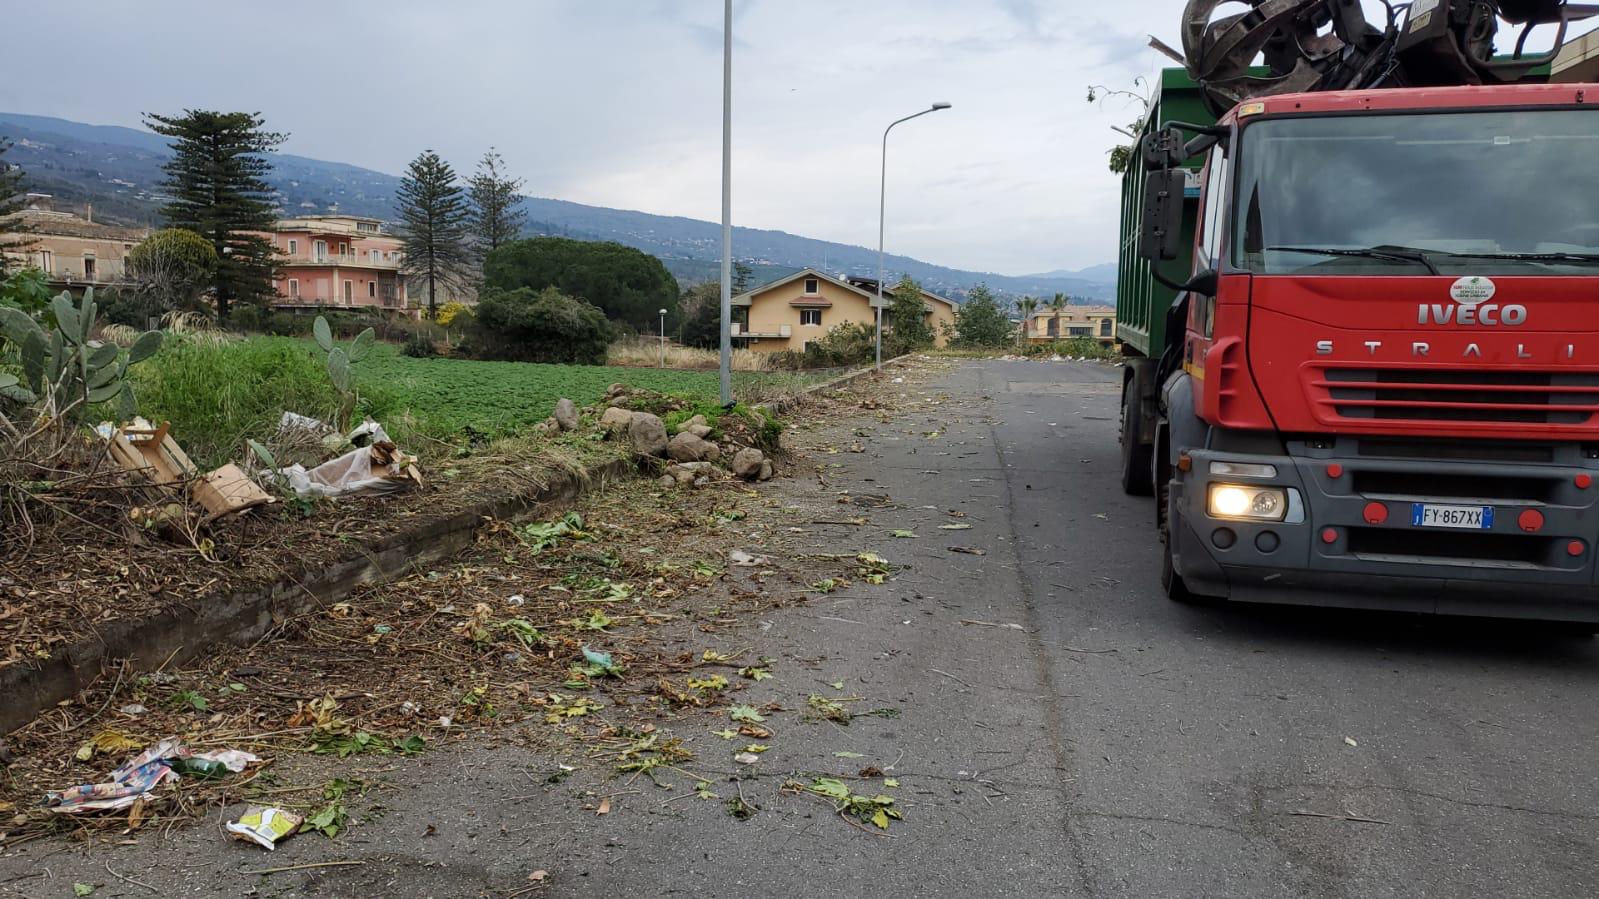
[[10, 204], [495, 216], [217, 181], [433, 225]]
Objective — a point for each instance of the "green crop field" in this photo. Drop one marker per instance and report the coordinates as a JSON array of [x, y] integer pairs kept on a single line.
[[218, 396], [445, 395]]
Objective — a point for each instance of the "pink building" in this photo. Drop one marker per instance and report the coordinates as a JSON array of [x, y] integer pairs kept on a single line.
[[337, 260]]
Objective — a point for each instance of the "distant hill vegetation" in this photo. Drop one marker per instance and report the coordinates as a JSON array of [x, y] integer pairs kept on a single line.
[[119, 171]]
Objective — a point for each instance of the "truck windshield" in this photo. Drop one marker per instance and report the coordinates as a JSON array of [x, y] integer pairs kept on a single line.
[[1419, 194]]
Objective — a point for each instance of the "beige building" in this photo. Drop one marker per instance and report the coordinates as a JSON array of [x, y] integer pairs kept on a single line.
[[72, 250], [1578, 60], [790, 312], [1098, 322]]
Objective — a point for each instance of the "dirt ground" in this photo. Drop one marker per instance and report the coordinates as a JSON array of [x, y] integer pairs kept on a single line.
[[600, 635]]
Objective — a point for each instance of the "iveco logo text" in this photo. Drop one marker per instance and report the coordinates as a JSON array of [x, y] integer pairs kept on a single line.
[[1485, 314]]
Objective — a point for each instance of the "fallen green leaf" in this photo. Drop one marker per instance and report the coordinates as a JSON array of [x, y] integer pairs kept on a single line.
[[848, 755], [745, 713]]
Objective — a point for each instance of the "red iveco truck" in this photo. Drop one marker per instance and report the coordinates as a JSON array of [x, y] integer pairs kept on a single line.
[[1376, 383]]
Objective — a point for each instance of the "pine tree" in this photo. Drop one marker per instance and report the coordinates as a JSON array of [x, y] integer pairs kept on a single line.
[[433, 225], [217, 179], [742, 275], [11, 201], [495, 218]]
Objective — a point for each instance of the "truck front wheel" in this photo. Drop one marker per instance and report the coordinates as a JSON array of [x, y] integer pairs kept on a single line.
[[1170, 580], [1136, 455]]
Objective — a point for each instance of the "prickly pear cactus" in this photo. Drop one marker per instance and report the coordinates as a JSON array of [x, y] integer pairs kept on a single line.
[[66, 371]]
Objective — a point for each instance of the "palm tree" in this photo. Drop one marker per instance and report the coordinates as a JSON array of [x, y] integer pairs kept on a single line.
[[1028, 306], [1057, 306]]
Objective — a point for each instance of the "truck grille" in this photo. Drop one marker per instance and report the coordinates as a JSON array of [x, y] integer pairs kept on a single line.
[[1459, 395]]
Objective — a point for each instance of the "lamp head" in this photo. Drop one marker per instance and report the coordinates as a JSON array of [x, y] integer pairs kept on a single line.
[[663, 311], [938, 106]]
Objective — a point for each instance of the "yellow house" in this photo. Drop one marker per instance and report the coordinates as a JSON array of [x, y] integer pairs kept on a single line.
[[1098, 322], [790, 312]]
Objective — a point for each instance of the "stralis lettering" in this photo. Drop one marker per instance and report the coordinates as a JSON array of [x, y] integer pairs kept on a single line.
[[1425, 349], [1483, 314]]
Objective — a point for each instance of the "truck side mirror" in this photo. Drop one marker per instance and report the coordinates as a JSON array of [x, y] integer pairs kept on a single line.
[[1164, 149], [1161, 236]]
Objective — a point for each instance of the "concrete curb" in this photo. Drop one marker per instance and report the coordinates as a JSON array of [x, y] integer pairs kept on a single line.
[[242, 616]]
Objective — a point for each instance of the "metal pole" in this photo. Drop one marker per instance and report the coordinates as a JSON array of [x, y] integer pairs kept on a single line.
[[727, 203], [663, 338], [882, 219]]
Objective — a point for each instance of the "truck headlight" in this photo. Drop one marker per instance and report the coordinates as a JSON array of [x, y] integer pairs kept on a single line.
[[1247, 503]]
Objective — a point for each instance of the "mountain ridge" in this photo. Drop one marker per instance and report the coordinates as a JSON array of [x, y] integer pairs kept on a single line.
[[118, 169]]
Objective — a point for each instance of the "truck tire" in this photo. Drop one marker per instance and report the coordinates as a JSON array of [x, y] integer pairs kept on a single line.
[[1170, 580], [1137, 479]]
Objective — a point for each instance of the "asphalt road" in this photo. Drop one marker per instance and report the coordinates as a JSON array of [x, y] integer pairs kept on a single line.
[[1062, 729]]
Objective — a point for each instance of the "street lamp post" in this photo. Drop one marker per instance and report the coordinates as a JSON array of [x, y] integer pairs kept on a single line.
[[882, 218], [726, 374], [663, 338]]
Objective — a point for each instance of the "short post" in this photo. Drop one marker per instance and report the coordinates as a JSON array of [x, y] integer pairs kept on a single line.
[[663, 338]]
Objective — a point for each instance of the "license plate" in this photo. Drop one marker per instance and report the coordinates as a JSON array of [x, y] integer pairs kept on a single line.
[[1433, 515]]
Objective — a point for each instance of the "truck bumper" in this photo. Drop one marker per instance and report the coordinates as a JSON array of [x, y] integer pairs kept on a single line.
[[1348, 538]]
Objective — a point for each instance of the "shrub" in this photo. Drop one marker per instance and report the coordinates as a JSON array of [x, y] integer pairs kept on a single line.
[[980, 323], [170, 268], [248, 318], [1076, 347], [850, 343], [906, 319], [419, 346], [449, 311], [546, 326], [630, 285], [287, 324], [217, 396]]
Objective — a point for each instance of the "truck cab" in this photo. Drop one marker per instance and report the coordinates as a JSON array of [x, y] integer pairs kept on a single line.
[[1378, 379]]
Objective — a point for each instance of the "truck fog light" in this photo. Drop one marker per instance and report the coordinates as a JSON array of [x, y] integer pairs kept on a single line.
[[1247, 503]]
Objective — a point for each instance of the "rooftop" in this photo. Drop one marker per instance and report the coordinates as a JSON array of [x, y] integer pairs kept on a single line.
[[49, 223]]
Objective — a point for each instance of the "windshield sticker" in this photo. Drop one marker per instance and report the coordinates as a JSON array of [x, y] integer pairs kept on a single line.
[[1472, 290]]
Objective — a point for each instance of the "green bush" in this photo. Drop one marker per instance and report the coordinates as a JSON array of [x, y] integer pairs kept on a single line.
[[218, 396], [248, 318], [546, 326], [850, 343], [906, 320], [419, 346], [287, 324], [1084, 347], [980, 323], [629, 285]]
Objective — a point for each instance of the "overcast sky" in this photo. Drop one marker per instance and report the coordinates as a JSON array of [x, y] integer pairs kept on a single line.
[[618, 102]]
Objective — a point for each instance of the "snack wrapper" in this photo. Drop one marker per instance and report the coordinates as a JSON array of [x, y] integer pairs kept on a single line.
[[265, 826]]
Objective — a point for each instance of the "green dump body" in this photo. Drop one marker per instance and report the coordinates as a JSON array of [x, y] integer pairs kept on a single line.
[[1141, 301]]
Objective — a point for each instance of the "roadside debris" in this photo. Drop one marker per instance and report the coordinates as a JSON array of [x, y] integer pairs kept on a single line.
[[139, 776], [875, 810], [152, 454], [377, 465], [264, 826]]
